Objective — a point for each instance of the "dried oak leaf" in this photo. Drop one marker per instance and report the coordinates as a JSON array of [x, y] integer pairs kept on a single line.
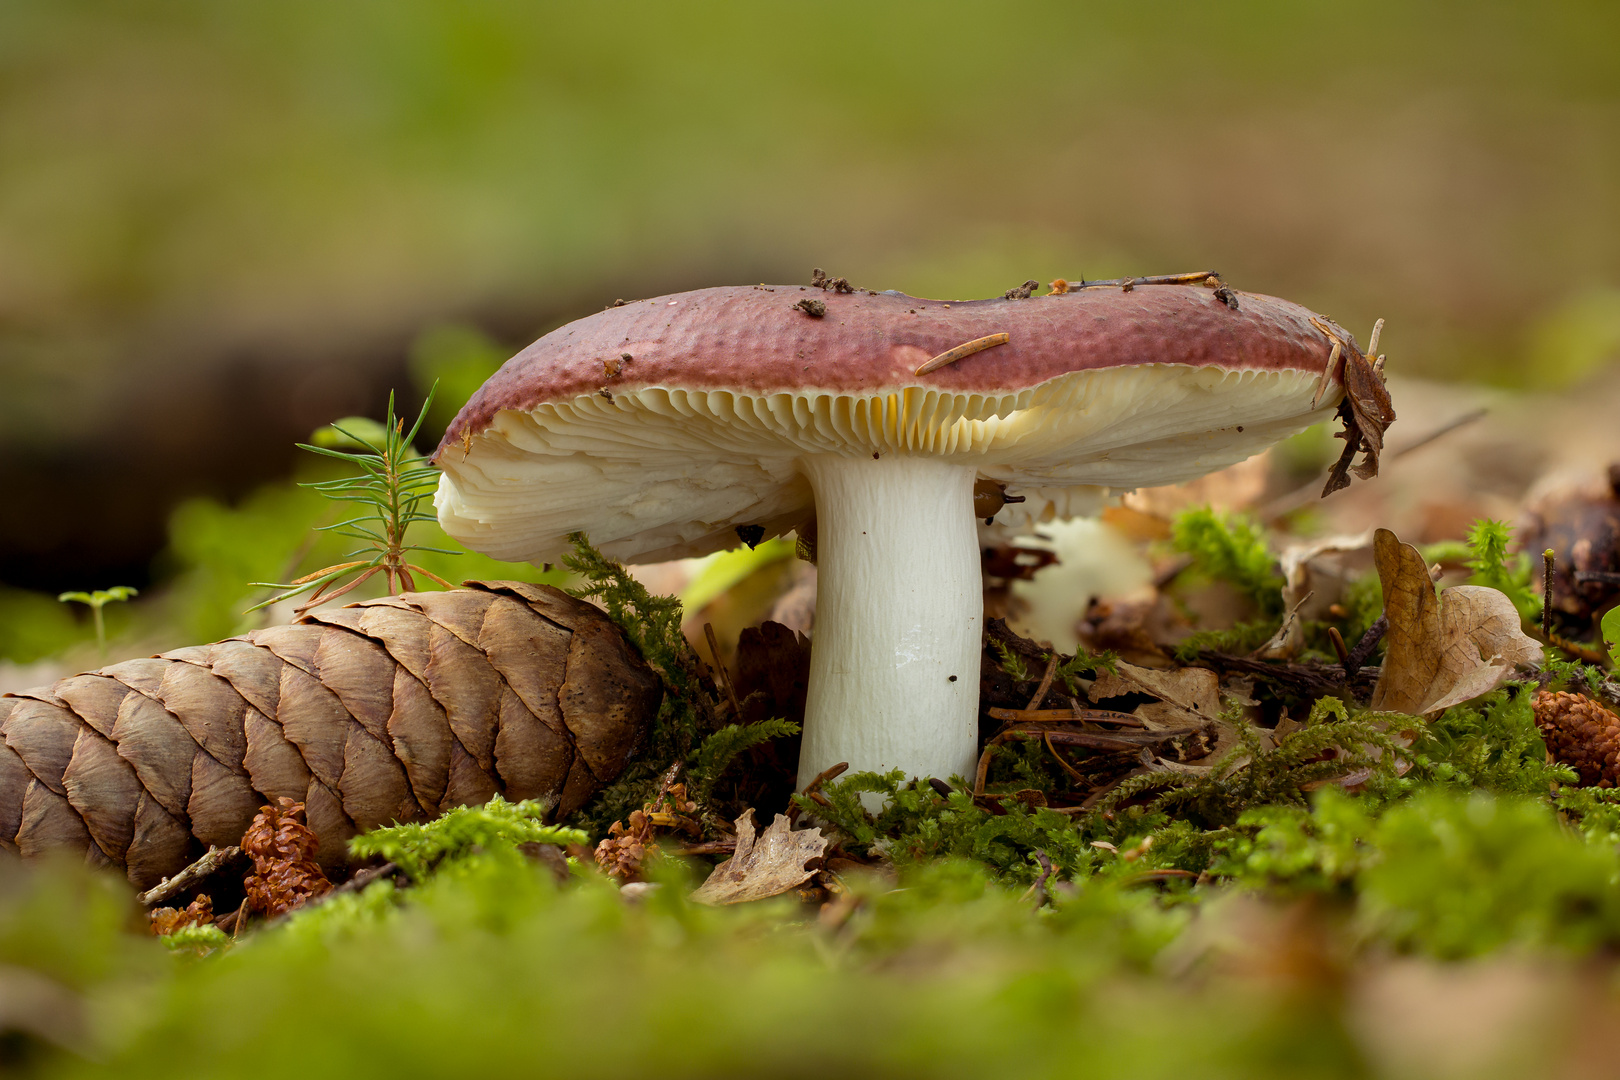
[[1366, 411], [770, 865], [1441, 651], [166, 920], [285, 874]]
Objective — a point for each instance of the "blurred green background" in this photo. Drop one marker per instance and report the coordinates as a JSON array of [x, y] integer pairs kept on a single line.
[[222, 225]]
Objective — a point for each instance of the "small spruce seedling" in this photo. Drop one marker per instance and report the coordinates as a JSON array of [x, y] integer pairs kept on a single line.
[[392, 484], [98, 600]]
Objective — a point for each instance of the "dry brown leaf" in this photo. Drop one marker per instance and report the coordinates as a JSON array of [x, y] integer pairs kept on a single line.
[[1441, 651], [1300, 573], [1193, 694], [1366, 411], [770, 865]]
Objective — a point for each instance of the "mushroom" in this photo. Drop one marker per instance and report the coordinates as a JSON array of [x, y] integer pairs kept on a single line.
[[669, 427]]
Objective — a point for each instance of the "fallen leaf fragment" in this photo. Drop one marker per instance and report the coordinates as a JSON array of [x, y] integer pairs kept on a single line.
[[1299, 572], [285, 874], [166, 920], [768, 865], [1366, 411], [1192, 694], [1442, 650]]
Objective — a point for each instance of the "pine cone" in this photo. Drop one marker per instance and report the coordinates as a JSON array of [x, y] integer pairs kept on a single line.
[[1582, 734], [395, 709]]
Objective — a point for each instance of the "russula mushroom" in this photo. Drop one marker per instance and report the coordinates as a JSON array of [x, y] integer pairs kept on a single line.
[[666, 428]]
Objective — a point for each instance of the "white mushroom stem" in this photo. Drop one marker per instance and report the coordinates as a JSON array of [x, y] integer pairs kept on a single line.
[[894, 663]]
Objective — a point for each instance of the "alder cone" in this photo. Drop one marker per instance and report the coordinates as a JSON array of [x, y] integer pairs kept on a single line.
[[395, 709], [1582, 734]]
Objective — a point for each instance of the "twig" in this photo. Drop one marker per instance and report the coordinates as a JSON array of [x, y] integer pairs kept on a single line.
[[724, 676], [1124, 740], [967, 348], [216, 858], [1074, 773], [983, 770], [1157, 875], [232, 923], [1337, 641], [710, 847], [1580, 652], [825, 775], [1040, 882], [1548, 561], [1364, 648], [1066, 716], [1046, 682], [364, 878], [1199, 277], [1305, 680]]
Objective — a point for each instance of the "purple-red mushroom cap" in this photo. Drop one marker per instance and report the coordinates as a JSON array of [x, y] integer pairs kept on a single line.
[[661, 426]]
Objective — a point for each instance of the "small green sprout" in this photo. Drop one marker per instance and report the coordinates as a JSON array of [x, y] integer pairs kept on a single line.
[[393, 482], [98, 600]]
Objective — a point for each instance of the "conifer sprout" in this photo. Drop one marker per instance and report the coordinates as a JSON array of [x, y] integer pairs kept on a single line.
[[681, 425]]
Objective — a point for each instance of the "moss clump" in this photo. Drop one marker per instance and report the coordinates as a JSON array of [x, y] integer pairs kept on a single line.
[[417, 849], [1231, 548]]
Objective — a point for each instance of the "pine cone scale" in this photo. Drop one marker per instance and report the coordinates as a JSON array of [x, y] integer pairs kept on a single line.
[[274, 764], [361, 674], [43, 736], [373, 785], [469, 785], [315, 721], [252, 672], [209, 708], [105, 791], [461, 680], [14, 778], [420, 735], [532, 758], [324, 813], [94, 698], [49, 821], [162, 844], [531, 655], [222, 803], [600, 695], [159, 747]]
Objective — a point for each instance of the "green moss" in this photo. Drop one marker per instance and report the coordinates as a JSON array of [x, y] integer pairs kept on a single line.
[[1239, 640], [417, 848], [1231, 548], [1491, 745], [1331, 745], [721, 750]]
